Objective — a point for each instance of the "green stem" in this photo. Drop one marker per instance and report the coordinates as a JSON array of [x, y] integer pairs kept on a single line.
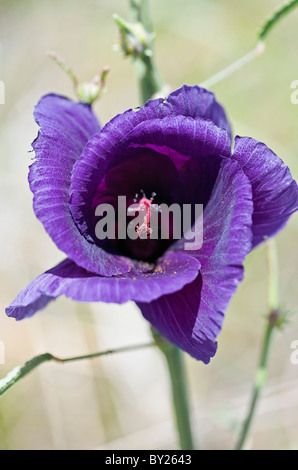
[[146, 17], [225, 73], [273, 278], [150, 81], [140, 12], [279, 13], [273, 19], [272, 322], [135, 11], [175, 361], [21, 371], [105, 353], [64, 66], [176, 367], [260, 379]]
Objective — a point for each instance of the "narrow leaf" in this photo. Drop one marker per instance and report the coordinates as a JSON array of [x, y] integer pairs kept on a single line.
[[279, 13], [20, 371]]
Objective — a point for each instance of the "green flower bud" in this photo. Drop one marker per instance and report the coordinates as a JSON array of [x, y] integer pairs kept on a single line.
[[87, 92], [134, 40]]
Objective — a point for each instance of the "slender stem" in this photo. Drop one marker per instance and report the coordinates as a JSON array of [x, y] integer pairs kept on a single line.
[[260, 379], [64, 66], [273, 278], [105, 353], [21, 371], [275, 17], [146, 17], [140, 12], [261, 373], [135, 10], [177, 373], [225, 73], [176, 366], [150, 81]]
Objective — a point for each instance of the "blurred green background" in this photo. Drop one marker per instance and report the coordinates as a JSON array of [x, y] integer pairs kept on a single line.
[[122, 401]]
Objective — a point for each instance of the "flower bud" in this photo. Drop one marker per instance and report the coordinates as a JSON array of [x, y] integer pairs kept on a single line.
[[134, 40], [87, 92]]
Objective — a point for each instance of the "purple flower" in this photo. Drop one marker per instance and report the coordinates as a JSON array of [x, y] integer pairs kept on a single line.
[[180, 149]]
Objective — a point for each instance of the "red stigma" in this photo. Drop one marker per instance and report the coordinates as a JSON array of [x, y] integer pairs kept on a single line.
[[145, 204]]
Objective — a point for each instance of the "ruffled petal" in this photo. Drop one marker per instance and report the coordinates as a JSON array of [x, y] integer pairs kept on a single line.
[[275, 193], [187, 101], [125, 130], [192, 318], [175, 315], [173, 271], [193, 148], [195, 101], [65, 128]]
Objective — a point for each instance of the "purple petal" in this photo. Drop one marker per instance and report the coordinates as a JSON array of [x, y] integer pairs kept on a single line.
[[275, 193], [192, 147], [192, 318], [188, 101], [175, 316], [172, 273], [65, 129], [196, 102]]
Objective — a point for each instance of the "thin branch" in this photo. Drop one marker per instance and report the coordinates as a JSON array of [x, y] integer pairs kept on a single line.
[[64, 66], [179, 386], [21, 371], [225, 73], [272, 323], [276, 16], [260, 379], [273, 19]]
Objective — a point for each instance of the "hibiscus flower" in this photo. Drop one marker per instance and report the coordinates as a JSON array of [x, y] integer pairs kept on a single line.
[[180, 150]]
